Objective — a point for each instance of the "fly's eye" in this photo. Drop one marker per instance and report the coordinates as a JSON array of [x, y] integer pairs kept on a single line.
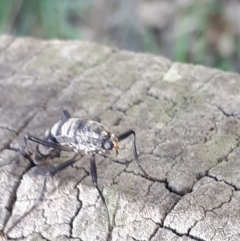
[[108, 145]]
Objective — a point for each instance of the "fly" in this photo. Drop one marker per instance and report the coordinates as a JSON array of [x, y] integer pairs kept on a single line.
[[84, 137]]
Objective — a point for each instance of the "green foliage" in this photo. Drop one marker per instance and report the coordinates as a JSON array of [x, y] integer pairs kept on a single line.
[[200, 25], [39, 18], [6, 11], [115, 22]]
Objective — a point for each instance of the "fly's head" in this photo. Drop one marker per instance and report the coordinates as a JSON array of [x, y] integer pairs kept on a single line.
[[111, 143]]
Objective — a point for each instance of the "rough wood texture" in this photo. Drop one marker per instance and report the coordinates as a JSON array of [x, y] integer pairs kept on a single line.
[[187, 124]]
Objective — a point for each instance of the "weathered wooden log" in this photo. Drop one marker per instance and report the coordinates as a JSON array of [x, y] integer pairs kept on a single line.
[[187, 126]]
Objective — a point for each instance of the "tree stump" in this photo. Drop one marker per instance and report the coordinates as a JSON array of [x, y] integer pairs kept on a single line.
[[186, 120]]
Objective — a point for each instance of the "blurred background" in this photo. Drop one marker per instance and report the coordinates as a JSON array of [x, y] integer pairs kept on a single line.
[[203, 32]]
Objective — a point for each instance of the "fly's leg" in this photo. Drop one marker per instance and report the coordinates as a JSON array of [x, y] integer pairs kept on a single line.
[[97, 119], [126, 135], [44, 149], [93, 171], [47, 143], [51, 145], [36, 156], [64, 115], [52, 172]]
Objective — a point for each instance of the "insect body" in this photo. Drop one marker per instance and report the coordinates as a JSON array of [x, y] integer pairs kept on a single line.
[[87, 136], [83, 137]]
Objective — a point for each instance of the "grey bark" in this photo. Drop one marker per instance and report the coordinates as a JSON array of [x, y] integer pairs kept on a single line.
[[186, 119]]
